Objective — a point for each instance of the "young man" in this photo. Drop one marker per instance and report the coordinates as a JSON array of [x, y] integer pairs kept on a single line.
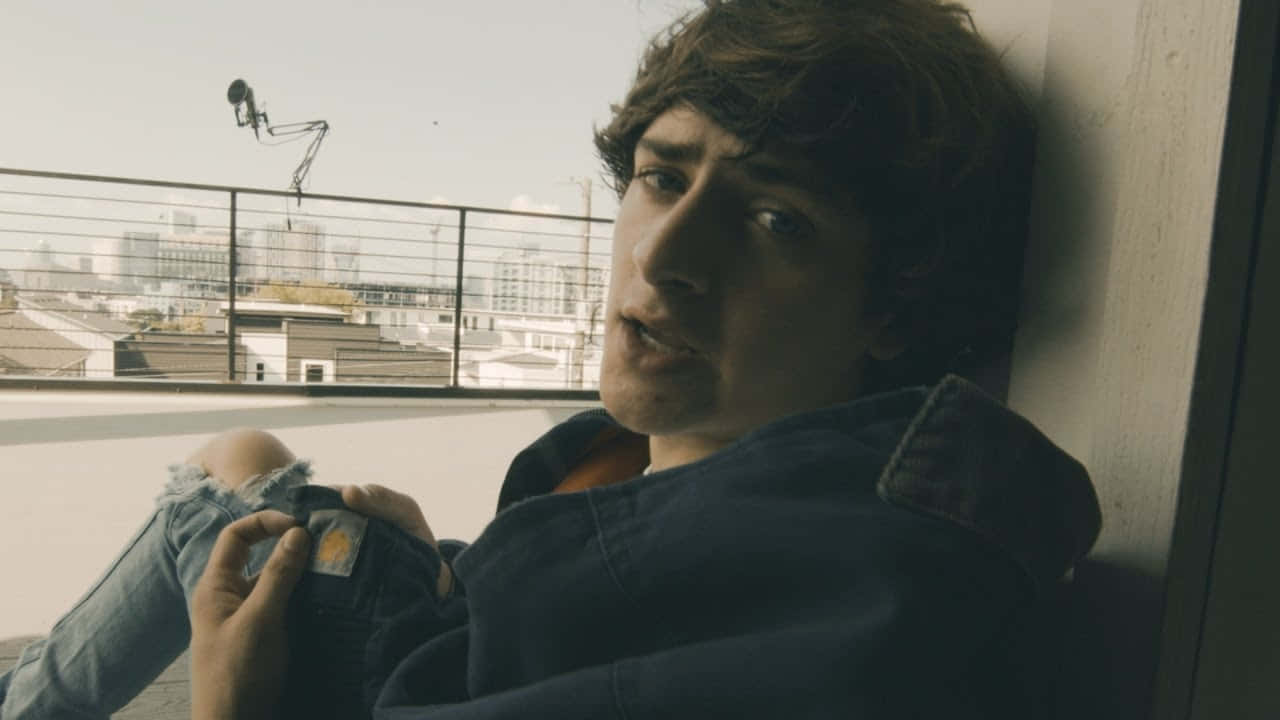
[[788, 507]]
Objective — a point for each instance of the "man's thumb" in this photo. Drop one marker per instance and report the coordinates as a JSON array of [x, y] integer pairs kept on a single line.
[[288, 559]]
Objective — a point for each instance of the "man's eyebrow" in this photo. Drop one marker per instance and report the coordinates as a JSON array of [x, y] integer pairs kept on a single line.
[[764, 169], [761, 167], [669, 151]]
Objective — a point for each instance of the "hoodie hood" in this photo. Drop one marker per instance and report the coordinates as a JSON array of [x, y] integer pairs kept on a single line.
[[953, 452], [967, 458]]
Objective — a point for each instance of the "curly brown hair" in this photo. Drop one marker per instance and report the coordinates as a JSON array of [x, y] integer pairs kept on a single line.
[[903, 106]]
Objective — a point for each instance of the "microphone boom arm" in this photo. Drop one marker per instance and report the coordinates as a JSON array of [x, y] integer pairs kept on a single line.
[[320, 128]]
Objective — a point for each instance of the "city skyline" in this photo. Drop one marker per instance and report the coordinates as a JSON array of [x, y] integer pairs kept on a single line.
[[301, 252]]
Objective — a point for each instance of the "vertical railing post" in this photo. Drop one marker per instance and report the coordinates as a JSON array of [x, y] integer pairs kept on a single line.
[[231, 295], [457, 296]]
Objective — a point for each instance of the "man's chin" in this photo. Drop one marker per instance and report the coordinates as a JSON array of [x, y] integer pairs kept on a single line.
[[651, 411]]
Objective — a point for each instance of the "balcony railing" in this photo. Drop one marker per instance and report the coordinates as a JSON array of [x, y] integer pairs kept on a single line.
[[112, 280]]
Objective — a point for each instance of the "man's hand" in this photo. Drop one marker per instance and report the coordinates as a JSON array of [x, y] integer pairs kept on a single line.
[[387, 504], [399, 510], [239, 649]]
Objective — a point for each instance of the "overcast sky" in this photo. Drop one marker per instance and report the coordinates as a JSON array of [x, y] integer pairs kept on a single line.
[[473, 102]]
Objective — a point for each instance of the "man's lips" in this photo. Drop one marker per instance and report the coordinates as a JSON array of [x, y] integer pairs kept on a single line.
[[660, 335]]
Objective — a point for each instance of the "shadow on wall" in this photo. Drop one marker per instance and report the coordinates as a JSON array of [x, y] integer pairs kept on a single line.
[[1104, 641], [1065, 271], [28, 431]]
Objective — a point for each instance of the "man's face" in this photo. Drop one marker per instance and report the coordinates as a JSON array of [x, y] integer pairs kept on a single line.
[[737, 287]]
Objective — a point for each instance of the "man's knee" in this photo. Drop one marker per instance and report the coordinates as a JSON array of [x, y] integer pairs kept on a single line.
[[235, 456]]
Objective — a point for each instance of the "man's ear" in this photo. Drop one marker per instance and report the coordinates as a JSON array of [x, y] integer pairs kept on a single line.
[[889, 340]]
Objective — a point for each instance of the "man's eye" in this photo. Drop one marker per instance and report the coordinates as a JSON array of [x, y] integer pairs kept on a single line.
[[661, 180], [782, 224]]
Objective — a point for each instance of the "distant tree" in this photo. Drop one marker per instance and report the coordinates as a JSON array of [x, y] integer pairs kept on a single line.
[[153, 321], [192, 325], [145, 319], [308, 294]]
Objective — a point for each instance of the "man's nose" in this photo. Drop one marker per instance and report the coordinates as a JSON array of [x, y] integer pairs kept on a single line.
[[682, 245]]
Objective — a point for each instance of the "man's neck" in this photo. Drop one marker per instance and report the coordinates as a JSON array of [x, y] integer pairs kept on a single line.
[[668, 451]]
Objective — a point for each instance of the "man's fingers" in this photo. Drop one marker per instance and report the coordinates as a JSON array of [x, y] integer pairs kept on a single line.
[[270, 595], [231, 550], [396, 508], [400, 510], [223, 586], [224, 573]]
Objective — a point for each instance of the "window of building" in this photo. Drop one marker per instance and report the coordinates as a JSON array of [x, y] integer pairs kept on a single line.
[[315, 373], [262, 372]]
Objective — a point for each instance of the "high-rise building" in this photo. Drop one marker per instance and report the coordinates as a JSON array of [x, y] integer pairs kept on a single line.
[[40, 269], [342, 261], [197, 257], [128, 260], [592, 294], [182, 222], [293, 252], [531, 282], [525, 281]]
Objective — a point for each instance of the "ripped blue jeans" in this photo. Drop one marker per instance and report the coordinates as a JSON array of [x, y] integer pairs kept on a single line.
[[133, 621]]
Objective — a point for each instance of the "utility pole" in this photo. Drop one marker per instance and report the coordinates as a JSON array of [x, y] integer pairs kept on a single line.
[[435, 256], [583, 311]]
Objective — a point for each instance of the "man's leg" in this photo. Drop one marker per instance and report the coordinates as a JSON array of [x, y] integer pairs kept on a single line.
[[133, 621], [237, 456]]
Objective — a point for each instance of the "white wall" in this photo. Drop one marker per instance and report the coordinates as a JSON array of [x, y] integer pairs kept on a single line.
[[1133, 106], [270, 349], [80, 470], [1019, 29]]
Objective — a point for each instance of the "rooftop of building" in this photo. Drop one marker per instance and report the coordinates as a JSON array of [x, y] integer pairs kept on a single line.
[[88, 318], [29, 348], [274, 308]]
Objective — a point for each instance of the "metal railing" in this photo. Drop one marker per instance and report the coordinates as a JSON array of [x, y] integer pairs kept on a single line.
[[108, 279]]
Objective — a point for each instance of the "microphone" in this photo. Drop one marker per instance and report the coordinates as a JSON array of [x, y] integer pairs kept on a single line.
[[240, 93]]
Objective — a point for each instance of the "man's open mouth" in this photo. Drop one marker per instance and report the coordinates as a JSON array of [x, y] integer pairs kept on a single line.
[[657, 341]]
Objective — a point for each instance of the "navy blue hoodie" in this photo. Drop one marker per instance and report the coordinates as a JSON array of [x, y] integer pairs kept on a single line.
[[866, 560]]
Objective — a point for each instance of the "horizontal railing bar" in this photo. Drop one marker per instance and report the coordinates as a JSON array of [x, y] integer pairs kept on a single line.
[[102, 198], [147, 345], [289, 194], [168, 240], [390, 307], [422, 242], [217, 357], [251, 250], [282, 282], [321, 390]]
